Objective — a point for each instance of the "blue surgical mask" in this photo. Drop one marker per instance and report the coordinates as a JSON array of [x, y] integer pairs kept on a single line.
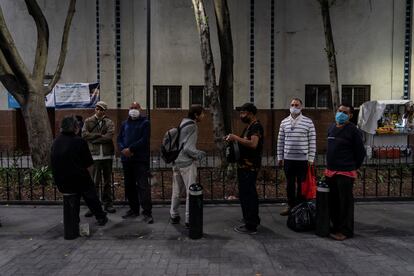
[[341, 118]]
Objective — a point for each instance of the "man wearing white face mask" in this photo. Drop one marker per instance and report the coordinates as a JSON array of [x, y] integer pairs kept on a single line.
[[133, 142], [296, 148]]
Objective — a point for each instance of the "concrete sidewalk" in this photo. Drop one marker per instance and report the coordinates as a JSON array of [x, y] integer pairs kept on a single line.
[[31, 243]]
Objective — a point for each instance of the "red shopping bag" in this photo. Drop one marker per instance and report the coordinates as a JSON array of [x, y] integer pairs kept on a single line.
[[309, 185]]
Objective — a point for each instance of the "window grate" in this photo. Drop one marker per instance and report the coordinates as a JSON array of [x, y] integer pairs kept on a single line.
[[407, 48], [118, 53]]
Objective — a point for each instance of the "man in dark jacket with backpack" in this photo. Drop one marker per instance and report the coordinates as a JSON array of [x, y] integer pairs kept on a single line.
[[133, 142], [184, 167]]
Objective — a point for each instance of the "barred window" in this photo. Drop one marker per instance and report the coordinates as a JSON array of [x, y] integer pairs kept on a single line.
[[198, 96], [167, 97], [356, 95], [318, 96]]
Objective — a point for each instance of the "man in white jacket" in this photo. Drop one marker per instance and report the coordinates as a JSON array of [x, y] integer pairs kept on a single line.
[[184, 167], [296, 148]]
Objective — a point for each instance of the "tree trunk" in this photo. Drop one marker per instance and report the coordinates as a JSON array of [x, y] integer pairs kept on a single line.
[[38, 128], [210, 76], [226, 52], [330, 52]]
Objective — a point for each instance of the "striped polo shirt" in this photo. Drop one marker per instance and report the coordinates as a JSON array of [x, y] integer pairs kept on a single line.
[[297, 139]]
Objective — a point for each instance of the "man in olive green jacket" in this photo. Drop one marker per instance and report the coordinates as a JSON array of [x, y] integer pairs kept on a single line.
[[98, 131]]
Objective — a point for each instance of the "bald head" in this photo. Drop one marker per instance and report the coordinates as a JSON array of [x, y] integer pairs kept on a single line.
[[135, 105]]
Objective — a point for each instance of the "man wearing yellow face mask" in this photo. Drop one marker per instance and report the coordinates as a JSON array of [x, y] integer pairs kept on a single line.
[[345, 155]]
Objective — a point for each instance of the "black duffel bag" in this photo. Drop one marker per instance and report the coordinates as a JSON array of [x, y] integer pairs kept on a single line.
[[302, 217], [232, 151]]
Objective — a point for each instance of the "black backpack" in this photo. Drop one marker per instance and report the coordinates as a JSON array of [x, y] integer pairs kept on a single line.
[[170, 147]]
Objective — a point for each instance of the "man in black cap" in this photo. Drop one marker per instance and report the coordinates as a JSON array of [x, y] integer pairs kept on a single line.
[[251, 147]]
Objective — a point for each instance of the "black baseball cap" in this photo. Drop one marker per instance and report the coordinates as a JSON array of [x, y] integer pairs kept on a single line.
[[249, 107]]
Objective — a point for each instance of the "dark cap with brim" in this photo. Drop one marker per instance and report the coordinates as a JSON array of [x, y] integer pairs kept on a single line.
[[249, 107]]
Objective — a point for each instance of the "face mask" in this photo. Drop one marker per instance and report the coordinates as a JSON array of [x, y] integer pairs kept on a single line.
[[245, 120], [295, 110], [341, 118], [133, 113]]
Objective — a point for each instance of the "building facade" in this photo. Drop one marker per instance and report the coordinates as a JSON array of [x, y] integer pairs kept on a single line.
[[278, 54]]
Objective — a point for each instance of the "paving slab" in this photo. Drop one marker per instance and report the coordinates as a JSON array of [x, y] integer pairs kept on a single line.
[[31, 243]]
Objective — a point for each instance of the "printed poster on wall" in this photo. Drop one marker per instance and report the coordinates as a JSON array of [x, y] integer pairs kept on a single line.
[[69, 95]]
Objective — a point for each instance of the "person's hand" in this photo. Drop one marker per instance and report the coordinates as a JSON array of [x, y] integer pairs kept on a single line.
[[231, 137], [280, 163], [127, 152]]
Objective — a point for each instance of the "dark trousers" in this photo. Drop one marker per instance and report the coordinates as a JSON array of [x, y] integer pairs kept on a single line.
[[103, 169], [295, 172], [249, 200], [341, 204], [137, 187], [89, 195]]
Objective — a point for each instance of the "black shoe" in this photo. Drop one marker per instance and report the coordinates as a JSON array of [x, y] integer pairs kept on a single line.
[[148, 219], [187, 225], [88, 214], [110, 209], [175, 220], [242, 229], [130, 214], [102, 221]]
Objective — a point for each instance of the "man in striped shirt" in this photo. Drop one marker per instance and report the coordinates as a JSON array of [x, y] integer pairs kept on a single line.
[[296, 148]]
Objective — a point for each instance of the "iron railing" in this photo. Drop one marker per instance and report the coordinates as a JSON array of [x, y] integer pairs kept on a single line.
[[388, 175]]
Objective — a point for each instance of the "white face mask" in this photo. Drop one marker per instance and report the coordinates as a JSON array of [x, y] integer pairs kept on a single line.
[[295, 110], [133, 113]]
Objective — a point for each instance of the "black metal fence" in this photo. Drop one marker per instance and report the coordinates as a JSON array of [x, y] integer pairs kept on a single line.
[[387, 175]]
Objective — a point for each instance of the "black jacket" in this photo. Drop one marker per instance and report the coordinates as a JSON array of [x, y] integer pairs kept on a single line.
[[70, 159], [346, 151]]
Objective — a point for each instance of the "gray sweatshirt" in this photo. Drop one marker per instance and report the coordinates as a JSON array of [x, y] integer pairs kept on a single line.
[[188, 138]]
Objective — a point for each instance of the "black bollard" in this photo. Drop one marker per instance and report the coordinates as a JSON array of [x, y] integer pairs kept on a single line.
[[196, 211], [322, 209], [70, 216]]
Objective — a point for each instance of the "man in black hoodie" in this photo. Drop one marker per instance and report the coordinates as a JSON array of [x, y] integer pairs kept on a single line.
[[70, 161], [345, 155]]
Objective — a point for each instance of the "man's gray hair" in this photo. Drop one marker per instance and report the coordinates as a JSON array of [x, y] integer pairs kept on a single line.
[[69, 124]]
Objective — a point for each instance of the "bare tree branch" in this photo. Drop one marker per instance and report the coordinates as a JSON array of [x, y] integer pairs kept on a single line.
[[64, 46], [11, 54], [9, 80], [42, 47]]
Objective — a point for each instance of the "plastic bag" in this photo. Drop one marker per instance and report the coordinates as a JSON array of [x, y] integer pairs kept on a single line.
[[302, 217], [309, 185]]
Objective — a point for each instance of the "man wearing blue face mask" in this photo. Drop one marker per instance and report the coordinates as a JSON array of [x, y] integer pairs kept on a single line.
[[345, 155], [296, 149], [133, 142]]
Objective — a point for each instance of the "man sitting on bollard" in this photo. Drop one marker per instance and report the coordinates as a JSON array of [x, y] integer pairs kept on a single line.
[[70, 161]]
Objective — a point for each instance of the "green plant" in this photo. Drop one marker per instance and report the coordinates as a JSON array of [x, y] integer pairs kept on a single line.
[[42, 175]]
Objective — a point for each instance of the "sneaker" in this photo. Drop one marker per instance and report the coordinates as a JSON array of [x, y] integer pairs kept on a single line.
[[102, 221], [242, 221], [187, 225], [242, 229], [130, 214], [285, 211], [338, 236], [148, 219], [175, 220], [110, 209]]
